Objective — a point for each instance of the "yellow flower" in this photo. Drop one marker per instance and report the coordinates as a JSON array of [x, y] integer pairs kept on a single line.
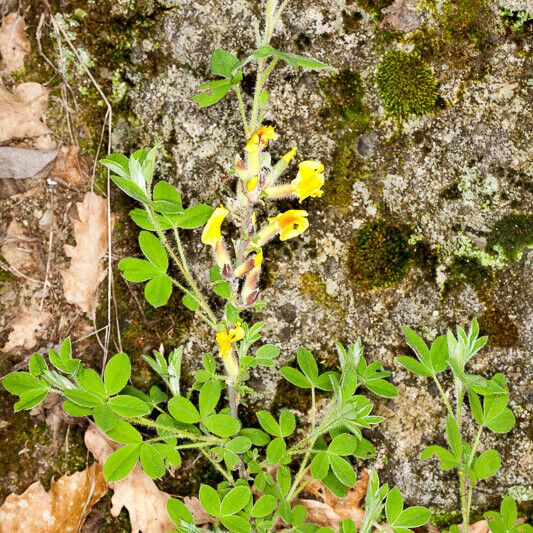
[[225, 340], [260, 138], [309, 180], [290, 224], [212, 234], [258, 261], [287, 158], [252, 183]]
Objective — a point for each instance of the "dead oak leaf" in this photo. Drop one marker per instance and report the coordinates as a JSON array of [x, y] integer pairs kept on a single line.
[[27, 327], [20, 252], [86, 272], [146, 504], [63, 509], [69, 167], [14, 44], [329, 510], [21, 112]]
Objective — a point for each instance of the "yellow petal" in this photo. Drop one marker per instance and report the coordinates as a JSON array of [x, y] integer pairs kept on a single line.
[[287, 158], [309, 180], [236, 334], [290, 224], [212, 230], [252, 183]]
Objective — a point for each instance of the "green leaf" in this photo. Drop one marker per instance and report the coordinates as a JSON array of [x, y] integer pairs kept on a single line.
[[475, 407], [236, 524], [210, 500], [487, 464], [37, 365], [153, 250], [258, 437], [287, 422], [137, 270], [223, 289], [382, 388], [121, 462], [334, 485], [104, 417], [365, 449], [446, 457], [264, 506], [117, 373], [158, 290], [414, 366], [439, 354], [239, 444], [342, 469], [235, 500], [307, 363], [276, 450], [222, 425], [130, 188], [152, 462], [124, 433], [268, 423], [190, 302], [29, 399], [128, 406], [343, 444], [178, 512], [283, 477], [91, 381], [509, 511], [223, 63], [211, 92], [83, 398], [117, 163], [394, 505], [454, 437], [73, 409], [268, 351], [20, 382], [417, 344], [167, 199], [194, 217], [143, 219], [295, 377], [320, 465], [413, 517], [209, 397], [503, 422], [183, 410]]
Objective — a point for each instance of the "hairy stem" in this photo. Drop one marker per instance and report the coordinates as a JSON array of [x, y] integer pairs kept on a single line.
[[443, 396], [226, 475]]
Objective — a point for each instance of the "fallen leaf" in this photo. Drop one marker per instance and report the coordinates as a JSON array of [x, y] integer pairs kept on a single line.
[[200, 517], [61, 510], [86, 272], [20, 252], [28, 326], [21, 112], [146, 504], [329, 510], [69, 167], [401, 15], [481, 526], [14, 44]]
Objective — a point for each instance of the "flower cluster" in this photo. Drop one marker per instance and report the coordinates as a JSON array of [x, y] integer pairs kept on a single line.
[[257, 181]]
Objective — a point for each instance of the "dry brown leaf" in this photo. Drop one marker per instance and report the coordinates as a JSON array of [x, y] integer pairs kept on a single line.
[[69, 167], [61, 510], [20, 115], [28, 326], [86, 272], [330, 510], [146, 504], [20, 252], [14, 44]]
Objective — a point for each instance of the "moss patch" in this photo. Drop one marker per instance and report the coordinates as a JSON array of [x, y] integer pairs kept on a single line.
[[374, 7], [468, 270], [511, 234], [406, 85], [348, 117], [379, 255], [502, 331]]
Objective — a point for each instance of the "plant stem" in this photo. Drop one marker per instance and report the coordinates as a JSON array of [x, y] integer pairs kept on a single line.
[[464, 511], [218, 467], [242, 109], [443, 396]]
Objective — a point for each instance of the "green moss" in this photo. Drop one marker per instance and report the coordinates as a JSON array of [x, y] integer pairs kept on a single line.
[[502, 331], [380, 255], [443, 519], [468, 270], [466, 20], [406, 85], [374, 7], [348, 117], [288, 396], [517, 20], [511, 235]]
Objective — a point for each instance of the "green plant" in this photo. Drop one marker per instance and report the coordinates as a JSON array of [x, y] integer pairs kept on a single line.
[[487, 401], [261, 469], [506, 520], [406, 85]]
